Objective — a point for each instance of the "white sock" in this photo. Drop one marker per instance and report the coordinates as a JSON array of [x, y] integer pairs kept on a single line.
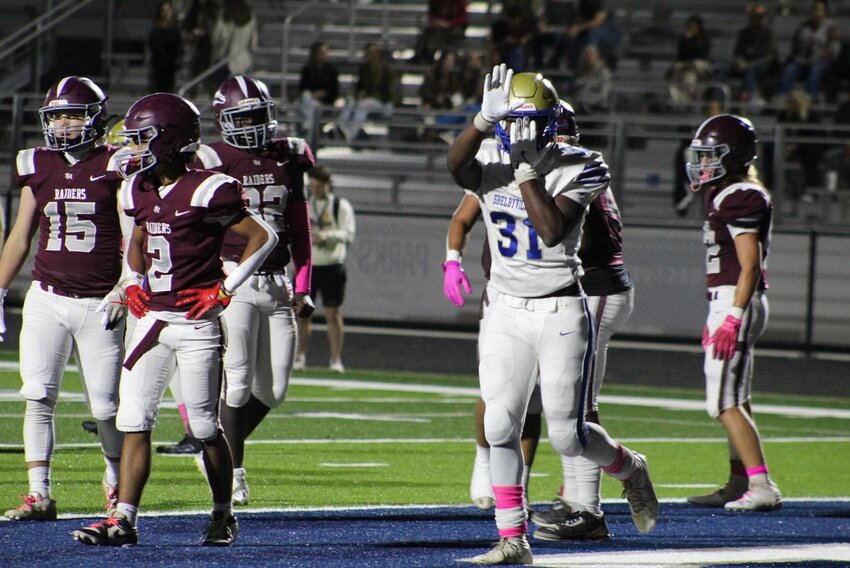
[[129, 511], [482, 454], [588, 485], [112, 469], [526, 474], [39, 480]]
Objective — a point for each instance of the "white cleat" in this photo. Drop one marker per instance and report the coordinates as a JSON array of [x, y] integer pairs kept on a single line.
[[299, 363], [759, 498], [480, 487], [510, 550], [240, 487], [336, 366], [640, 494]]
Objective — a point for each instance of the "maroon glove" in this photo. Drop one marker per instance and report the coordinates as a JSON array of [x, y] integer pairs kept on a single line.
[[136, 300], [203, 300]]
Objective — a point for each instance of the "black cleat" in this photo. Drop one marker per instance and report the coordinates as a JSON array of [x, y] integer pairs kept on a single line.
[[188, 445], [582, 525], [89, 426]]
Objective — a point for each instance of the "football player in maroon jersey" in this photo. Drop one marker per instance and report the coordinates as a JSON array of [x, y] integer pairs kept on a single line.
[[177, 290], [736, 233], [261, 329], [69, 196]]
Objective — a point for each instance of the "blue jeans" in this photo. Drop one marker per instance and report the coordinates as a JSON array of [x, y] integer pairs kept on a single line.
[[816, 73]]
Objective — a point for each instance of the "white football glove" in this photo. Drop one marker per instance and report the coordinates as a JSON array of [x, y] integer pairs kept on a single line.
[[495, 102], [113, 306], [524, 144], [2, 314]]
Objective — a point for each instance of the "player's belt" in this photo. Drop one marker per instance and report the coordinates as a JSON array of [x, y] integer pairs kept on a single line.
[[54, 290], [573, 289]]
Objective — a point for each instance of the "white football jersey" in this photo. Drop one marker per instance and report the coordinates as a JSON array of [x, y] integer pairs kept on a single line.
[[522, 265]]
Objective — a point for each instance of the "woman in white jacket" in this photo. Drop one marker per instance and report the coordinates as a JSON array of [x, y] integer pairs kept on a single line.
[[234, 37]]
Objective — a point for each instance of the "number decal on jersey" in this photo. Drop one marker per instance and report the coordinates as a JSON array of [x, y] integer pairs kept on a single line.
[[508, 230], [79, 234], [269, 206], [160, 252], [712, 250]]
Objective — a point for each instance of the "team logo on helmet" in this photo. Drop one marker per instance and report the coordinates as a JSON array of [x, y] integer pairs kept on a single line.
[[162, 129], [541, 104], [73, 99], [723, 145], [245, 113]]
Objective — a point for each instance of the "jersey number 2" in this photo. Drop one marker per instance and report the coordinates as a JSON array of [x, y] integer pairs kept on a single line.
[[509, 249]]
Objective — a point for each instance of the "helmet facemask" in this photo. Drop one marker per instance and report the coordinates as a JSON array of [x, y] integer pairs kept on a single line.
[[704, 164], [57, 137], [136, 156], [249, 126]]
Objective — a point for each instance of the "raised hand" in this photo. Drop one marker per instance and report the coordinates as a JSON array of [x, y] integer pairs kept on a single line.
[[495, 101], [524, 148], [453, 281]]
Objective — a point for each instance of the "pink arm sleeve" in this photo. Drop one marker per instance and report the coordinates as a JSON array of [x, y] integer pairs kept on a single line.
[[300, 245]]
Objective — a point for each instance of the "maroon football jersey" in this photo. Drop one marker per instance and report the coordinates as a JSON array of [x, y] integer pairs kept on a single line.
[[79, 243], [602, 243], [184, 226], [272, 179], [742, 205]]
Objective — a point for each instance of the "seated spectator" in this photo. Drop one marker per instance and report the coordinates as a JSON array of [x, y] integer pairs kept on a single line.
[[511, 35], [798, 110], [836, 168], [442, 86], [593, 79], [814, 48], [377, 91], [755, 57], [319, 82], [693, 64], [594, 25], [553, 17], [445, 29]]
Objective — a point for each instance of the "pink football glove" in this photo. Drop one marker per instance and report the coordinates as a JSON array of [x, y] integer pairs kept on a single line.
[[725, 338], [137, 300], [454, 279], [203, 300]]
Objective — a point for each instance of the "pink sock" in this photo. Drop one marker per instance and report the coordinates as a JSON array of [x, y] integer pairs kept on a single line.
[[757, 470], [184, 415], [510, 511], [618, 464]]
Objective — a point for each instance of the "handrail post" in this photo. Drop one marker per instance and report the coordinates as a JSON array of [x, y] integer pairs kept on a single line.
[[108, 36], [778, 189], [810, 291], [16, 140]]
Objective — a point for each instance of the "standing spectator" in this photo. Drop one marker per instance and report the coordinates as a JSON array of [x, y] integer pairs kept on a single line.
[[166, 48], [235, 38], [68, 195], [377, 91], [738, 224], [755, 57], [260, 321], [814, 48], [593, 79], [319, 82], [198, 25], [693, 62], [445, 29], [511, 35], [539, 199], [332, 222], [177, 291], [594, 24]]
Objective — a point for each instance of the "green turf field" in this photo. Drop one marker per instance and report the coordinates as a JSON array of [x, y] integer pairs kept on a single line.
[[370, 438]]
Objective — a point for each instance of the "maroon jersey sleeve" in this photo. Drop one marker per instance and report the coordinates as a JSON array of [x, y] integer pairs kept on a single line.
[[79, 243]]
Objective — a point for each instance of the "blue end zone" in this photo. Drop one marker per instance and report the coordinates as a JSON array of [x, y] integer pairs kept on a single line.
[[426, 537]]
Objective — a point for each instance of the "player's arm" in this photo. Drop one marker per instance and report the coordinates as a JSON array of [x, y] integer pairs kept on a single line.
[[455, 281], [17, 247], [748, 251], [297, 218], [261, 239]]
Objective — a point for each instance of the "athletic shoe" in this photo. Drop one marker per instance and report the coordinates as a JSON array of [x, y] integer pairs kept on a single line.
[[89, 426], [640, 494], [759, 498], [509, 550], [221, 530], [582, 525], [729, 492], [35, 508], [187, 445], [480, 487], [240, 487], [336, 366], [299, 363], [111, 493], [559, 513], [114, 531]]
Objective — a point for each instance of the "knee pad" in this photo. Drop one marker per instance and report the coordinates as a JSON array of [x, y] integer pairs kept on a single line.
[[237, 395], [564, 438], [132, 418], [34, 390], [499, 426], [102, 408], [203, 425]]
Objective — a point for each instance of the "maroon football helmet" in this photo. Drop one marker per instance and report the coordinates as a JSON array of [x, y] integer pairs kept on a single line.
[[245, 113], [723, 145], [162, 129], [78, 96], [567, 129]]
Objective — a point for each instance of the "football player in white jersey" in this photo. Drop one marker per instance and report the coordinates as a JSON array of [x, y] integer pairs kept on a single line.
[[69, 196], [736, 232], [533, 204]]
